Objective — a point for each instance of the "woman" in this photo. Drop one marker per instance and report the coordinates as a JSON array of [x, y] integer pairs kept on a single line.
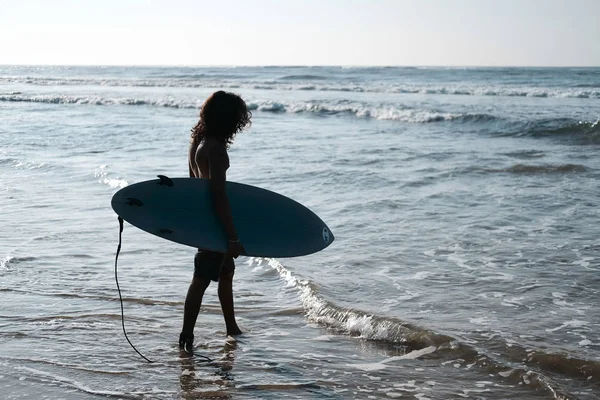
[[222, 116]]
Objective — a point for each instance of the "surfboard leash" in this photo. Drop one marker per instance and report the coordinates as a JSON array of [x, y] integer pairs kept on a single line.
[[121, 299], [119, 290]]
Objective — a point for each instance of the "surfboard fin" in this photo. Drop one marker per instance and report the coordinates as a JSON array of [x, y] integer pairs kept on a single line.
[[132, 201], [165, 181]]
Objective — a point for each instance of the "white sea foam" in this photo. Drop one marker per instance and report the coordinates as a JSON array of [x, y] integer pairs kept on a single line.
[[100, 101], [4, 262], [569, 324], [418, 276], [362, 110], [354, 322], [115, 183], [309, 84], [320, 311], [102, 174], [358, 109], [482, 321], [413, 355], [27, 164]]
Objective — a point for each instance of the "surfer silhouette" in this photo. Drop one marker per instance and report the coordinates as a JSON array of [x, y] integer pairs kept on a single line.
[[222, 116]]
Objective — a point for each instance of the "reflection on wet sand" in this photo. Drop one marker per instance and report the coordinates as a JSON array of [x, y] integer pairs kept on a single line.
[[204, 379]]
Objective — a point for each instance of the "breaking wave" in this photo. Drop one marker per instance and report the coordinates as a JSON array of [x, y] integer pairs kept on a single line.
[[310, 82], [366, 111], [98, 100], [509, 360], [359, 110], [587, 132], [9, 261]]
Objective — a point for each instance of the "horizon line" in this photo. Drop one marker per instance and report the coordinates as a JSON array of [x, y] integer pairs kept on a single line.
[[295, 65]]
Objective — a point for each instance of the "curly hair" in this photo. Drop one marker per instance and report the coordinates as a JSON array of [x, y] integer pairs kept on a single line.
[[222, 116]]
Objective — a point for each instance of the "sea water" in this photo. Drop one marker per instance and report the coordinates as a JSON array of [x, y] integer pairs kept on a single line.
[[464, 202]]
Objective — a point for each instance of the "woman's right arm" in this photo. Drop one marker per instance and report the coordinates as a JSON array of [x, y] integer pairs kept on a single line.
[[218, 162]]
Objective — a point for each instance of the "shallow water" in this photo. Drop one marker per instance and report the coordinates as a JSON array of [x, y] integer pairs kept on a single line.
[[463, 202]]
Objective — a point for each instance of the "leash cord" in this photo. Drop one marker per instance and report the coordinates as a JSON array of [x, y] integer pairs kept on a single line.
[[120, 297]]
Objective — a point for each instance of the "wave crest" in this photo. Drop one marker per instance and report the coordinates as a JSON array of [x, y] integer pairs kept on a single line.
[[509, 360], [355, 322], [359, 110], [392, 113], [311, 82], [9, 261], [98, 101]]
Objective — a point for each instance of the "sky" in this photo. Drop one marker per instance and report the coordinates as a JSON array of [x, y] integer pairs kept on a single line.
[[301, 32]]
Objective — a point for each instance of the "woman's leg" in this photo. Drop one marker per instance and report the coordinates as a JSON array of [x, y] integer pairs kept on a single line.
[[226, 299]]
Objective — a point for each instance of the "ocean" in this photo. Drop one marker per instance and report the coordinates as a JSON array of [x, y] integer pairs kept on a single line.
[[464, 202]]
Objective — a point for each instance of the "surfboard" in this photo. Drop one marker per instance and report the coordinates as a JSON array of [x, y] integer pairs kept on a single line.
[[181, 210]]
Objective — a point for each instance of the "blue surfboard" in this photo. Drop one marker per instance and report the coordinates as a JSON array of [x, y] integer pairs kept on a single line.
[[181, 210]]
